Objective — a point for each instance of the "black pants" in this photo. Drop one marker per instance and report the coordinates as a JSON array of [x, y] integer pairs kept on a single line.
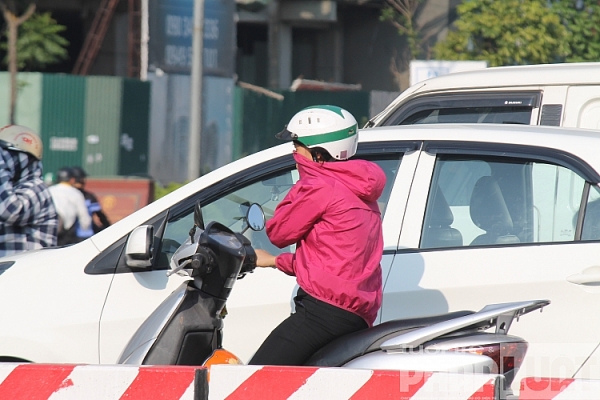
[[312, 326]]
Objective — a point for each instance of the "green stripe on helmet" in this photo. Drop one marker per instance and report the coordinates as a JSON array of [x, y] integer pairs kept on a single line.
[[328, 137], [334, 109]]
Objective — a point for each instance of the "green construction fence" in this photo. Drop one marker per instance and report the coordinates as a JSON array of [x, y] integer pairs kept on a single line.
[[98, 122]]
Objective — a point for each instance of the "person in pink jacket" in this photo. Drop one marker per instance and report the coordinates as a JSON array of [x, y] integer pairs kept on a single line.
[[332, 216]]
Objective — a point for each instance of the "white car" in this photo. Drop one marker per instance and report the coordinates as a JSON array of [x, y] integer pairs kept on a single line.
[[565, 94], [473, 215]]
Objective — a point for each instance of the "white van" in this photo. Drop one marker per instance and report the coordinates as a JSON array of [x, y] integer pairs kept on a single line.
[[550, 94]]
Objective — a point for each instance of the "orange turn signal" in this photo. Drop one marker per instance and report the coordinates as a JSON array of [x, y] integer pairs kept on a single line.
[[221, 356]]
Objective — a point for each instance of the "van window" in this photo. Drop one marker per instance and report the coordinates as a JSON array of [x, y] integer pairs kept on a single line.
[[474, 107], [471, 115]]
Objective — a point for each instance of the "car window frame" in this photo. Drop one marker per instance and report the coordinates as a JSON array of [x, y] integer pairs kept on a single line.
[[582, 212], [539, 153]]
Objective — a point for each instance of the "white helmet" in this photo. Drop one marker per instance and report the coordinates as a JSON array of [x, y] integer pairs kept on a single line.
[[20, 138], [329, 127]]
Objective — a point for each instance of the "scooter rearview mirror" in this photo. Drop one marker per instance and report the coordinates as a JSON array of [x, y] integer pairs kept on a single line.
[[198, 219], [256, 217]]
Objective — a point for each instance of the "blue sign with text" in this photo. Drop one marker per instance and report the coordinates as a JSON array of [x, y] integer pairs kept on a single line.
[[171, 28]]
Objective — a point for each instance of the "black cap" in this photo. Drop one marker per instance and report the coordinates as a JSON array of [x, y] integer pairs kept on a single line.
[[78, 173], [64, 174]]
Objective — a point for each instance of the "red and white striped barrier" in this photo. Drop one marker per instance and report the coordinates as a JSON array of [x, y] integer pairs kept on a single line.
[[102, 382], [559, 389], [233, 382]]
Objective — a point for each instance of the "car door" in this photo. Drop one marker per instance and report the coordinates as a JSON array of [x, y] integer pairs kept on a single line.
[[490, 223], [132, 295], [261, 300]]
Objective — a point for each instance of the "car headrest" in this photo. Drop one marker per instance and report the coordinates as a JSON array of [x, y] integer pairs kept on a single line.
[[441, 215], [488, 208]]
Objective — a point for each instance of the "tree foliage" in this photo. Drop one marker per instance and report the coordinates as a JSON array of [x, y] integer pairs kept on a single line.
[[419, 30], [13, 22], [583, 26], [401, 14], [506, 32], [39, 42]]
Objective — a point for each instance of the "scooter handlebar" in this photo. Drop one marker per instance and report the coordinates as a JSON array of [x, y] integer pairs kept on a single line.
[[250, 260]]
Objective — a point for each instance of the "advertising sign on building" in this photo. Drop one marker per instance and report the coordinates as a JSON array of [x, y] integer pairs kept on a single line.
[[422, 70], [171, 26]]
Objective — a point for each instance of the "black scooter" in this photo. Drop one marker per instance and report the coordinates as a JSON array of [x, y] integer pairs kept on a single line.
[[186, 329]]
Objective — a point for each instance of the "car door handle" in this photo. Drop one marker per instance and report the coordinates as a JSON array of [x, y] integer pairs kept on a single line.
[[589, 277]]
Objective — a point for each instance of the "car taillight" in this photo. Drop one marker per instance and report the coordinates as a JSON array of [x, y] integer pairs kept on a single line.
[[508, 357]]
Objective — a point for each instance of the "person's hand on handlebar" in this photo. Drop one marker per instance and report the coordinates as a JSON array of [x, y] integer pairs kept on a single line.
[[264, 259]]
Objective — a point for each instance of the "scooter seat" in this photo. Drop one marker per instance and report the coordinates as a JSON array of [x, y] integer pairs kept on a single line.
[[348, 347]]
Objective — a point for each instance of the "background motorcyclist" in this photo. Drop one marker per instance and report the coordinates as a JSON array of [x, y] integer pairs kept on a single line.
[[332, 215], [70, 205], [28, 217], [99, 219]]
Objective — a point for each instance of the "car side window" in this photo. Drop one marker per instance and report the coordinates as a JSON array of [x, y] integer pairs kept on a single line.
[[231, 206], [477, 201], [390, 167], [229, 210]]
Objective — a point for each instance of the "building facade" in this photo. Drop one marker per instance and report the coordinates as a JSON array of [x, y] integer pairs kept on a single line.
[[264, 43]]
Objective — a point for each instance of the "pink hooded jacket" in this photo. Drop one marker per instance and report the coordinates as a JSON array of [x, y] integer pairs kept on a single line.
[[332, 215]]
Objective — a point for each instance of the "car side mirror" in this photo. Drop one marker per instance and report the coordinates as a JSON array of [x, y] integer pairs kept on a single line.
[[138, 250]]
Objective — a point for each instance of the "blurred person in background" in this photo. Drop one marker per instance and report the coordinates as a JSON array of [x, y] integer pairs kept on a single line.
[[28, 218], [99, 219], [70, 206]]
